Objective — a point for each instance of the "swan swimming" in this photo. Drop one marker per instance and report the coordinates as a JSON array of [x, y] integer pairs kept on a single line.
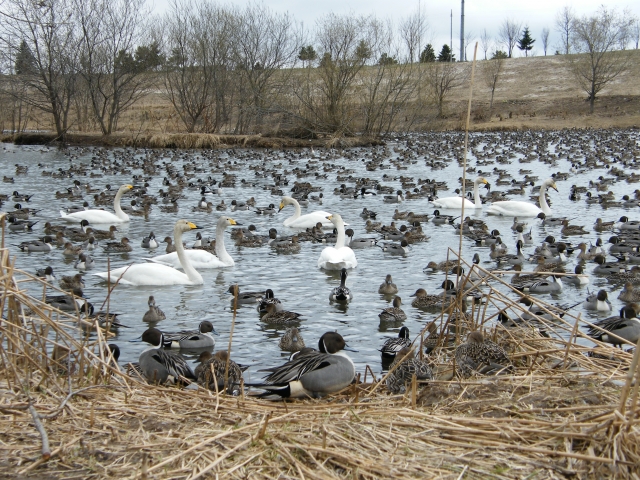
[[200, 259], [305, 221], [456, 202], [340, 256], [101, 216], [158, 274], [514, 208]]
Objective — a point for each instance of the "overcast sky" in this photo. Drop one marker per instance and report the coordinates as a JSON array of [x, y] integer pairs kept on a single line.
[[479, 15]]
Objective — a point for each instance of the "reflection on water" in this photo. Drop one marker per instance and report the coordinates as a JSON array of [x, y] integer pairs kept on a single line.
[[295, 278]]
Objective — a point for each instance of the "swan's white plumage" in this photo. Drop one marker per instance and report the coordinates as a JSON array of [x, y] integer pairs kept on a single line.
[[304, 221], [201, 259], [94, 216], [340, 256], [514, 208], [158, 274], [455, 203]]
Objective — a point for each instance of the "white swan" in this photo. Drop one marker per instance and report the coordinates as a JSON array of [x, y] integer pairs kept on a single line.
[[338, 257], [201, 259], [305, 221], [158, 274], [456, 202], [514, 208], [101, 216]]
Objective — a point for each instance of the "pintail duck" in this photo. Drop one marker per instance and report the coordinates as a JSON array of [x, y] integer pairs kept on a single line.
[[122, 246], [541, 286], [150, 241], [188, 339], [580, 278], [392, 346], [341, 293], [267, 299], [71, 250], [162, 366], [601, 226], [291, 341], [154, 314], [71, 283], [312, 374], [423, 300], [629, 293], [210, 374], [480, 355], [388, 287], [103, 234], [359, 242], [443, 219], [551, 221], [46, 273], [572, 229], [43, 245], [598, 302], [279, 317], [408, 366], [632, 275], [394, 313], [625, 325]]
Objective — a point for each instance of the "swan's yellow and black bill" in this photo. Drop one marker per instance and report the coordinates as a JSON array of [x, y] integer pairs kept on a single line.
[[192, 226]]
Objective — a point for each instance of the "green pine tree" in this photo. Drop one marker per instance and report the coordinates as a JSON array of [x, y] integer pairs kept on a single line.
[[445, 54], [428, 54], [385, 59], [526, 42], [25, 61]]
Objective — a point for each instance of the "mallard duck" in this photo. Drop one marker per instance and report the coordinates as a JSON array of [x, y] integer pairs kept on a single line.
[[480, 355], [408, 367], [394, 313]]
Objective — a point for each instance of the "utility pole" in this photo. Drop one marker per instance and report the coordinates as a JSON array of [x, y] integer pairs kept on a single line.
[[462, 57], [451, 38]]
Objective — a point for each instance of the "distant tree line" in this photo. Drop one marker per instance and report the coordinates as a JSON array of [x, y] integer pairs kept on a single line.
[[84, 63]]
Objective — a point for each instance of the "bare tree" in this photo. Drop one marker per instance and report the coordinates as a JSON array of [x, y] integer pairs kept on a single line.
[[413, 29], [564, 26], [47, 28], [265, 42], [110, 32], [597, 37], [509, 33], [468, 39], [485, 42], [544, 38], [492, 71], [635, 31], [442, 77]]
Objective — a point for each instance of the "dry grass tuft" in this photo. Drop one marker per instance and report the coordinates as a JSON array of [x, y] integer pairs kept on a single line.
[[558, 413]]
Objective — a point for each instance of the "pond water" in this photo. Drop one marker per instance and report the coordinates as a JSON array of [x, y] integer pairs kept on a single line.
[[295, 278]]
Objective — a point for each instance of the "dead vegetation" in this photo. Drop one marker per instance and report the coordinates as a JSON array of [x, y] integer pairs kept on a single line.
[[560, 412]]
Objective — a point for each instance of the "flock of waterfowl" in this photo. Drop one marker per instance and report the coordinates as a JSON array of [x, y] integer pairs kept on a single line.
[[373, 215]]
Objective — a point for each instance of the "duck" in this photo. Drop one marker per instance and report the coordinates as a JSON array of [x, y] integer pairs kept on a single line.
[[122, 246], [625, 325], [43, 245], [629, 293], [541, 286], [72, 282], [572, 229], [245, 298], [279, 317], [313, 374], [99, 234], [267, 299], [439, 219], [579, 279], [150, 241], [405, 367], [70, 303], [101, 216], [339, 256], [202, 259], [287, 246], [341, 293], [191, 339], [401, 248], [212, 370], [359, 242], [423, 300], [515, 208], [393, 313], [154, 314], [162, 366], [388, 287], [397, 198], [456, 202], [598, 302], [71, 250], [156, 273], [480, 355], [303, 221], [392, 346], [291, 341], [46, 273]]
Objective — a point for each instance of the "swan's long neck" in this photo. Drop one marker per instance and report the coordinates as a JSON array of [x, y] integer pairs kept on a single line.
[[116, 206], [191, 272], [221, 252], [298, 212], [544, 206], [340, 237], [476, 194]]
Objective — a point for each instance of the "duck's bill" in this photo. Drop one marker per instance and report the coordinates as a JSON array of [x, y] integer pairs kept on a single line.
[[349, 349]]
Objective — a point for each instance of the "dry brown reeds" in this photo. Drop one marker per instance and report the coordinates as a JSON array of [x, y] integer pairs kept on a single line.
[[76, 414]]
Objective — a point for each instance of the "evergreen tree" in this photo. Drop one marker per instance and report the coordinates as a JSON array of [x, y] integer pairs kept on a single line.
[[363, 51], [499, 54], [445, 54], [428, 54], [307, 54], [387, 60], [25, 61], [149, 57], [526, 42]]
